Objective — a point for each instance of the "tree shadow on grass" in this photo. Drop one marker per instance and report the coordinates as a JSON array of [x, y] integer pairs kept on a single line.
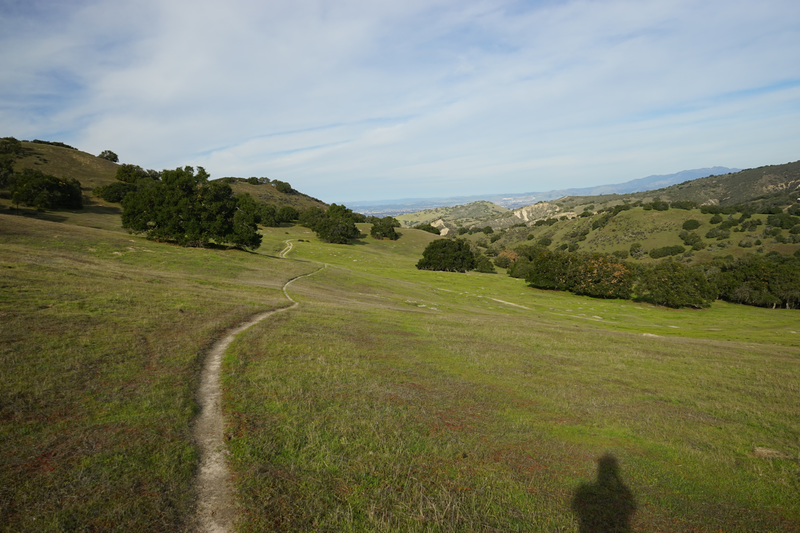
[[606, 505]]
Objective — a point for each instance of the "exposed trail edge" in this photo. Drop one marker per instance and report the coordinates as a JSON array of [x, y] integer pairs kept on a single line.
[[216, 511]]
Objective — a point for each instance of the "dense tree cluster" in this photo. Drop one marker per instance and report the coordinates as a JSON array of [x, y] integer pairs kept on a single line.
[[129, 178], [34, 188], [185, 208], [336, 225], [770, 280], [384, 228], [449, 255]]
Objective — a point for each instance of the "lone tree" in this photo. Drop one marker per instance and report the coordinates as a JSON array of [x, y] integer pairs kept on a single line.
[[109, 155], [187, 209], [447, 255]]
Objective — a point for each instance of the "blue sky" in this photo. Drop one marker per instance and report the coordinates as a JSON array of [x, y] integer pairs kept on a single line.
[[356, 100]]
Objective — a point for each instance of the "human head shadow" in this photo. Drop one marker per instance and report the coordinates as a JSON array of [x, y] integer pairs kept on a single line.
[[606, 505]]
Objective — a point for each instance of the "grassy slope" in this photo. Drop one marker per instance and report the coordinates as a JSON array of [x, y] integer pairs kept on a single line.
[[394, 399], [391, 399], [101, 339], [653, 229], [269, 194]]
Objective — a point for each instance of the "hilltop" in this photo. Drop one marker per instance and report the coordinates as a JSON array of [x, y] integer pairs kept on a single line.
[[92, 172]]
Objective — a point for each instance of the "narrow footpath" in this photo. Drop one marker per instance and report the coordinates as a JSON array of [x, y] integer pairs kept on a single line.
[[216, 509]]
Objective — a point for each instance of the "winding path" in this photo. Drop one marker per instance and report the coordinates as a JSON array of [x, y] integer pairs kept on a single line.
[[216, 510]]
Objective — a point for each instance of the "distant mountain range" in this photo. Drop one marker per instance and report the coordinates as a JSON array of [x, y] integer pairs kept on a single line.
[[512, 201]]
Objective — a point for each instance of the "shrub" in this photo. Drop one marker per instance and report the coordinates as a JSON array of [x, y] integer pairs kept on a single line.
[[637, 250], [667, 251], [545, 241], [718, 233], [691, 224], [429, 228], [716, 219]]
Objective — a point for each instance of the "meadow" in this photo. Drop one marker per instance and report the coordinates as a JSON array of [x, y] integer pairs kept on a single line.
[[390, 399]]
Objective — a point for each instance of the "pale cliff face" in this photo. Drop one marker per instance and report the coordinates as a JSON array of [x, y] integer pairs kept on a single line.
[[440, 225]]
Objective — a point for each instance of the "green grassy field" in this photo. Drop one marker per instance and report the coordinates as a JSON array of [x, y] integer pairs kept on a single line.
[[390, 399]]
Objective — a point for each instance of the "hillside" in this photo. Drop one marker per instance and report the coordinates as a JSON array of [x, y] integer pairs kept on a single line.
[[463, 214], [387, 386], [92, 171]]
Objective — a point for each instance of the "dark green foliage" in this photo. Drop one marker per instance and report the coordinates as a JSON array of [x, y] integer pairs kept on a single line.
[[487, 230], [684, 204], [620, 254], [253, 181], [520, 268], [667, 251], [311, 217], [637, 250], [674, 284], [573, 246], [282, 186], [187, 209], [691, 224], [429, 228], [751, 225], [727, 224], [795, 230], [602, 220], [54, 143], [716, 219], [287, 213], [384, 229], [549, 221], [484, 265], [462, 231], [496, 237], [268, 215], [692, 239], [336, 225], [545, 241], [447, 255], [718, 233], [783, 220], [131, 173], [109, 155], [586, 214], [34, 188], [10, 149], [114, 192], [765, 281], [530, 237]]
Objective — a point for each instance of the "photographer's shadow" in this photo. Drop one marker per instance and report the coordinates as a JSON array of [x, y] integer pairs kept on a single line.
[[605, 506]]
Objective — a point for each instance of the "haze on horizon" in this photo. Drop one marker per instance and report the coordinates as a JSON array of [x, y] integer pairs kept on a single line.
[[357, 100]]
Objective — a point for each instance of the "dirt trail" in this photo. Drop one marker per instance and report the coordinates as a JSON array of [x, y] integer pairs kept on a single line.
[[216, 509], [287, 249]]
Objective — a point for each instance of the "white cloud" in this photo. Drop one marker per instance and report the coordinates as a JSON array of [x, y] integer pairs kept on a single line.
[[357, 99]]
